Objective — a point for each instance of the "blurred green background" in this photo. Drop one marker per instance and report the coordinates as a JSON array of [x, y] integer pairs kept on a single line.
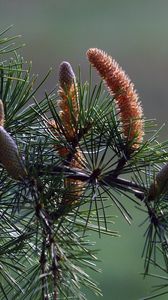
[[135, 33]]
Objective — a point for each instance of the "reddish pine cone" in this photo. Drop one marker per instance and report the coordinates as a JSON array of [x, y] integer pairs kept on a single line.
[[2, 116], [9, 156], [125, 95]]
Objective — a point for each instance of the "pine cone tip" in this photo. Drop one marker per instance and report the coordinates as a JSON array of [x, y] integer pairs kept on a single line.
[[66, 74]]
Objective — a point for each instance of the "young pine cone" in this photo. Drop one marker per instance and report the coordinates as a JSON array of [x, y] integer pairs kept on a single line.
[[9, 156], [160, 184], [126, 97]]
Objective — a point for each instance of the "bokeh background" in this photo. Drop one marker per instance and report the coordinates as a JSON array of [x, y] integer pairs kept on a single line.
[[135, 33]]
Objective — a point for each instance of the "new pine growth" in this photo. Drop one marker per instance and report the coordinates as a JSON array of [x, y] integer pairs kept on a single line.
[[126, 97]]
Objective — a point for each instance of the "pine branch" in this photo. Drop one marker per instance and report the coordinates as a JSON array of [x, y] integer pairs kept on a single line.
[[61, 162]]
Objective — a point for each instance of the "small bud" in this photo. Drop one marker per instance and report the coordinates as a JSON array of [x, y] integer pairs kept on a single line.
[[160, 184], [162, 179], [9, 156], [2, 116], [66, 75]]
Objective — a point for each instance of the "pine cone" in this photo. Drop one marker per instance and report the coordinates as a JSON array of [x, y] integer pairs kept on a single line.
[[9, 156]]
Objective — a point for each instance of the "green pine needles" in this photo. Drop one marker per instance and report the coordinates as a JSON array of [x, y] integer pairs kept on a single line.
[[65, 160]]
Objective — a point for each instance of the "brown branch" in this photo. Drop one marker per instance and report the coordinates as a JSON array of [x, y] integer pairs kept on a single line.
[[43, 270], [48, 245]]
